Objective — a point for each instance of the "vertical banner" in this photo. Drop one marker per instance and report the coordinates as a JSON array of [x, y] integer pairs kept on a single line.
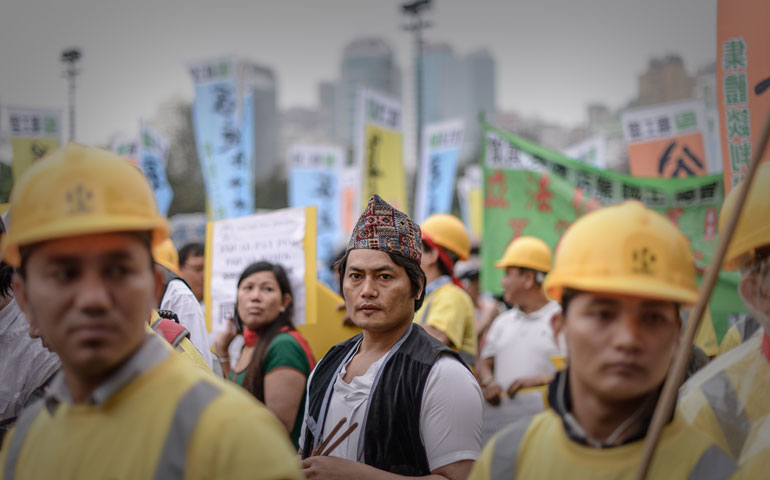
[[668, 140], [471, 196], [591, 151], [441, 143], [152, 160], [218, 139], [34, 133], [743, 81], [379, 148], [350, 208], [247, 147], [286, 237], [314, 172]]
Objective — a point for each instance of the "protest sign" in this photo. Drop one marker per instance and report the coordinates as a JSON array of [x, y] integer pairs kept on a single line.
[[438, 168], [34, 133]]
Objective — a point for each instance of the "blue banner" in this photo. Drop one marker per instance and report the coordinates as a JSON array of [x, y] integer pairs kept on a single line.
[[314, 180], [247, 146], [438, 169], [218, 138], [152, 152]]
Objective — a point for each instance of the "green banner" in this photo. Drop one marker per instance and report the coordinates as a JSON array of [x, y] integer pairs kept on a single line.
[[531, 190]]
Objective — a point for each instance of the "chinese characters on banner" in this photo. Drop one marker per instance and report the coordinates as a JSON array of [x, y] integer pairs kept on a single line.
[[667, 140], [285, 237], [743, 80], [128, 149], [152, 150], [379, 148], [438, 168], [34, 133], [314, 172], [224, 164], [530, 190]]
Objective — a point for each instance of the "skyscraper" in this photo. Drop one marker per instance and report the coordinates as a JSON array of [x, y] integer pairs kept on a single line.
[[366, 62]]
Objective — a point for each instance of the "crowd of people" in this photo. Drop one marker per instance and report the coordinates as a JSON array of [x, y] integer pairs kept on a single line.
[[108, 370]]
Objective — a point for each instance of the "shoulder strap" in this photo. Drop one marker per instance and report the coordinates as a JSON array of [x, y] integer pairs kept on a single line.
[[305, 347], [20, 431], [173, 458], [171, 331]]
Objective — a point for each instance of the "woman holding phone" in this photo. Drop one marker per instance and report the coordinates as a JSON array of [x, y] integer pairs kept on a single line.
[[275, 360]]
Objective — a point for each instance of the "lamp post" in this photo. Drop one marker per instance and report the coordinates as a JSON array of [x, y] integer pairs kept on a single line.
[[414, 10], [70, 58]]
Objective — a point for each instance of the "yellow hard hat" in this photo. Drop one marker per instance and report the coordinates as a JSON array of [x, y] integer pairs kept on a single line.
[[448, 231], [80, 190], [753, 229], [625, 249], [527, 252], [165, 254]]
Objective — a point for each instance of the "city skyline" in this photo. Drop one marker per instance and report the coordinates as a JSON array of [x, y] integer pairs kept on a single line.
[[134, 56]]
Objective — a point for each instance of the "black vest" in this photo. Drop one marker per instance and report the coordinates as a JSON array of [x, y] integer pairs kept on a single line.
[[392, 437]]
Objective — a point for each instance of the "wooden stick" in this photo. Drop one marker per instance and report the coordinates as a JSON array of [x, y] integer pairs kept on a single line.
[[331, 435], [681, 360], [344, 435]]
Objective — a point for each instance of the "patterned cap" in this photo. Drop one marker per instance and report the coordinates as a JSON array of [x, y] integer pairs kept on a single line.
[[382, 227]]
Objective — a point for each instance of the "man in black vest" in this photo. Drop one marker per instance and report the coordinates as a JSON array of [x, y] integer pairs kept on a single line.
[[417, 405]]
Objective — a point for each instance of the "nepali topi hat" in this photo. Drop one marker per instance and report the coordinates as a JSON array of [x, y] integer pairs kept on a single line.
[[382, 227]]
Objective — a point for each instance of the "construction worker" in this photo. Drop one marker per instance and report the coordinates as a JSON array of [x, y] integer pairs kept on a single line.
[[621, 274], [177, 296], [520, 343], [412, 404], [729, 399], [448, 312], [191, 267], [123, 406]]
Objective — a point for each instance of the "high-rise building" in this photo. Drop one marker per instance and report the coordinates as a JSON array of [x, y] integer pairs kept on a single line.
[[366, 63], [252, 77], [666, 80], [458, 87]]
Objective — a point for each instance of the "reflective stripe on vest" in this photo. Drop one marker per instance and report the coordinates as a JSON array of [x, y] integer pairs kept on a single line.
[[188, 411], [506, 450], [713, 463], [20, 431], [728, 410]]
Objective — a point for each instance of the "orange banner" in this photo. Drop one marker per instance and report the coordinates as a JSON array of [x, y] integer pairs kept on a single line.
[[682, 156], [743, 81]]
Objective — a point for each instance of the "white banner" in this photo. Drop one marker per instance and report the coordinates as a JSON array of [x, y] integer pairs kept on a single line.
[[591, 151], [236, 243]]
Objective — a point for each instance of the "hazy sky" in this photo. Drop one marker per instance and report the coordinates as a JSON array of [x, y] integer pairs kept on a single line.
[[553, 56]]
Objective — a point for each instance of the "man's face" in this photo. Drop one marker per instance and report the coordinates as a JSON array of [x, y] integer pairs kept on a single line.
[[514, 283], [89, 298], [378, 294], [620, 347], [192, 273]]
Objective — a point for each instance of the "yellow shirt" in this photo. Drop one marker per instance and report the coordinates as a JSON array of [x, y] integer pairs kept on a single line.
[[449, 309], [539, 448], [729, 400], [186, 349], [170, 421]]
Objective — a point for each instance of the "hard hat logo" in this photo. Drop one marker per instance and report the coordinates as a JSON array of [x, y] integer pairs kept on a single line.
[[79, 200], [642, 261]]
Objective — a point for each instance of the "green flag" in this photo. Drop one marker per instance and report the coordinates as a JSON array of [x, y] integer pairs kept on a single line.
[[531, 190]]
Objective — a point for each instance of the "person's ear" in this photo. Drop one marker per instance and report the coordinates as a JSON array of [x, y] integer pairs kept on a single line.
[[19, 286], [286, 302], [756, 294], [557, 325]]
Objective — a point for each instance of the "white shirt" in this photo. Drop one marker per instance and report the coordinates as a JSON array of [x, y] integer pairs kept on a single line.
[[522, 346], [450, 414], [179, 299], [25, 364]]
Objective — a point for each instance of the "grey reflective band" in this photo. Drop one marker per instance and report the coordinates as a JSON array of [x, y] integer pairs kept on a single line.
[[467, 357], [728, 410], [506, 450], [182, 335], [714, 463], [748, 327], [20, 431], [171, 463]]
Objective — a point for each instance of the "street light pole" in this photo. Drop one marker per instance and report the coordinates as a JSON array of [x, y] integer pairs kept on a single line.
[[414, 9], [70, 58]]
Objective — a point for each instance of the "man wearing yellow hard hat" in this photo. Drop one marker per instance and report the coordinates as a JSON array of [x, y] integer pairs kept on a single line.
[[729, 399], [621, 274], [447, 313], [520, 342], [124, 406]]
